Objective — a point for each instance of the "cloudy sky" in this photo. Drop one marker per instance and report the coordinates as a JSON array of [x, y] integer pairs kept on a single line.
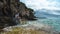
[[40, 4]]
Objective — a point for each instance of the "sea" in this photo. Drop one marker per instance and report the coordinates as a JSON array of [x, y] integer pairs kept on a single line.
[[55, 23]]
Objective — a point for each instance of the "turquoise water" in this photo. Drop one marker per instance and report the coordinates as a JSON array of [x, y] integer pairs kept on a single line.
[[52, 22], [55, 23]]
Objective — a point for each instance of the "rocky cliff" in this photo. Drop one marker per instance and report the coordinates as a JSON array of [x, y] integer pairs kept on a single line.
[[11, 11]]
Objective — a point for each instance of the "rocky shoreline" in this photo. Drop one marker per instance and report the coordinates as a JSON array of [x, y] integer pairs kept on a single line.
[[30, 29], [13, 11]]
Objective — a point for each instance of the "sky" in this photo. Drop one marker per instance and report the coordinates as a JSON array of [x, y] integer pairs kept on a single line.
[[42, 4]]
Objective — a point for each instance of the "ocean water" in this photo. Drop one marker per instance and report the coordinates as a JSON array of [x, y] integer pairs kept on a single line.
[[55, 23]]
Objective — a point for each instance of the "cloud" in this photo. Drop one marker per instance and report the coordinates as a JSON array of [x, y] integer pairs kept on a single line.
[[40, 4]]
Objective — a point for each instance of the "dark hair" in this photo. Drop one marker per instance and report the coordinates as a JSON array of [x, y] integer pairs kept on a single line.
[[1, 0]]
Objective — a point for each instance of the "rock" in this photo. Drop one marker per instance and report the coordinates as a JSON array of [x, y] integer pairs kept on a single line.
[[9, 9], [7, 13], [29, 28]]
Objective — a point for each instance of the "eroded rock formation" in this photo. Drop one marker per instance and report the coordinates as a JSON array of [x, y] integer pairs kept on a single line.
[[11, 11]]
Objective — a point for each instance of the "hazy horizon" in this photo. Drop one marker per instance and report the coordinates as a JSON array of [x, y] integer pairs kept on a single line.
[[44, 4]]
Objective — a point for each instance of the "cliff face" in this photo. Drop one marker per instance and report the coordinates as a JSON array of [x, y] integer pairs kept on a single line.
[[11, 11], [25, 12], [7, 12]]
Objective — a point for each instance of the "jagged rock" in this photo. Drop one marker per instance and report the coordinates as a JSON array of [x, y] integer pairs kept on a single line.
[[7, 13], [11, 11]]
